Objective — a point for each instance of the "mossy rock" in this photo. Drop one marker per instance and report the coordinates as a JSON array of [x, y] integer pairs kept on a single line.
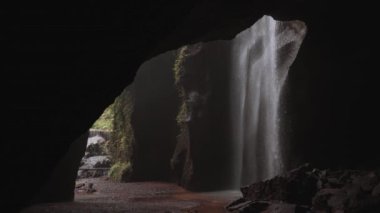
[[105, 121], [120, 171]]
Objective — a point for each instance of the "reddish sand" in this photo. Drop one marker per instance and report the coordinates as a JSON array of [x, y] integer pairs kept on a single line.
[[139, 197]]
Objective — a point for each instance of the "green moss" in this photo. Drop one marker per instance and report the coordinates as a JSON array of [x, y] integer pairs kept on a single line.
[[181, 162], [120, 171], [178, 71], [178, 64], [123, 139], [182, 113], [105, 121]]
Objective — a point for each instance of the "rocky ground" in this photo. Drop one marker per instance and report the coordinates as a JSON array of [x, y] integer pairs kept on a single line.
[[99, 195], [96, 161], [307, 189]]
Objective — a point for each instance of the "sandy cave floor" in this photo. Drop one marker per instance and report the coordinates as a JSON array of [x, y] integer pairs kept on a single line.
[[139, 197]]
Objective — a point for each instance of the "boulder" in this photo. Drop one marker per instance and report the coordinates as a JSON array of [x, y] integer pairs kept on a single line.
[[298, 186], [367, 182], [306, 189], [96, 146], [376, 190], [329, 198], [247, 206], [96, 162], [95, 166]]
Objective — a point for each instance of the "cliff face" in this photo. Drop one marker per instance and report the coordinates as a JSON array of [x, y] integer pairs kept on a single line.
[[202, 157], [63, 64], [153, 120], [123, 141], [230, 98]]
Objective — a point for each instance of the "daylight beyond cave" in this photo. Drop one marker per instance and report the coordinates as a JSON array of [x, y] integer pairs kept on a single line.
[[208, 115]]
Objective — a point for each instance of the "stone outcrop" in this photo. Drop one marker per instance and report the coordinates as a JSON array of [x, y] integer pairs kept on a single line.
[[296, 186], [96, 146], [308, 189], [96, 160], [202, 154], [123, 139], [153, 119], [62, 180], [144, 124], [95, 166]]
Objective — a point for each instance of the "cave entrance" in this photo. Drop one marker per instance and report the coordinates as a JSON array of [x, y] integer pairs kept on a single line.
[[204, 117], [135, 153]]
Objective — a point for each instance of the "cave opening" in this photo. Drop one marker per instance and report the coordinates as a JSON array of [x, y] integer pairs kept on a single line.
[[202, 121], [195, 114], [64, 63]]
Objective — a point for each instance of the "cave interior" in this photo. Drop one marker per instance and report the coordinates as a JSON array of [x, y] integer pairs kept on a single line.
[[64, 64]]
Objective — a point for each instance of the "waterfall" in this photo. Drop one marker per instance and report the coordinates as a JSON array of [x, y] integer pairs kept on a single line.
[[261, 58]]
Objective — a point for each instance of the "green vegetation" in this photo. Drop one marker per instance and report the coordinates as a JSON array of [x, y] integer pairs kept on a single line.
[[123, 138], [117, 118], [105, 121], [180, 164], [178, 71], [120, 171], [178, 64], [182, 113]]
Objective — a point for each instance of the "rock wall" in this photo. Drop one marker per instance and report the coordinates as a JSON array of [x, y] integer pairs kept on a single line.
[[123, 141], [61, 183], [145, 128], [202, 154], [153, 120], [202, 157]]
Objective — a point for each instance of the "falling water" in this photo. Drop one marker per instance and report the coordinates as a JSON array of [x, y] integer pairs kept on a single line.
[[261, 56]]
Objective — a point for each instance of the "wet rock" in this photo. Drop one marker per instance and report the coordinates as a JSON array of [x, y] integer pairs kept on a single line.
[[376, 190], [96, 162], [274, 189], [247, 206], [297, 186], [85, 187], [367, 182], [96, 146], [80, 185], [238, 205], [95, 166], [95, 139], [325, 199], [255, 207], [90, 188], [281, 207], [366, 205], [92, 173], [338, 200], [353, 191], [333, 183], [306, 189]]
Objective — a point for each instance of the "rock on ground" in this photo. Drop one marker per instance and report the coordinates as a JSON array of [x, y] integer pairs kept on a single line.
[[307, 189]]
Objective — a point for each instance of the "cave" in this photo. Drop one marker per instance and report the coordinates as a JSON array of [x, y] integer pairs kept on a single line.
[[65, 64]]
